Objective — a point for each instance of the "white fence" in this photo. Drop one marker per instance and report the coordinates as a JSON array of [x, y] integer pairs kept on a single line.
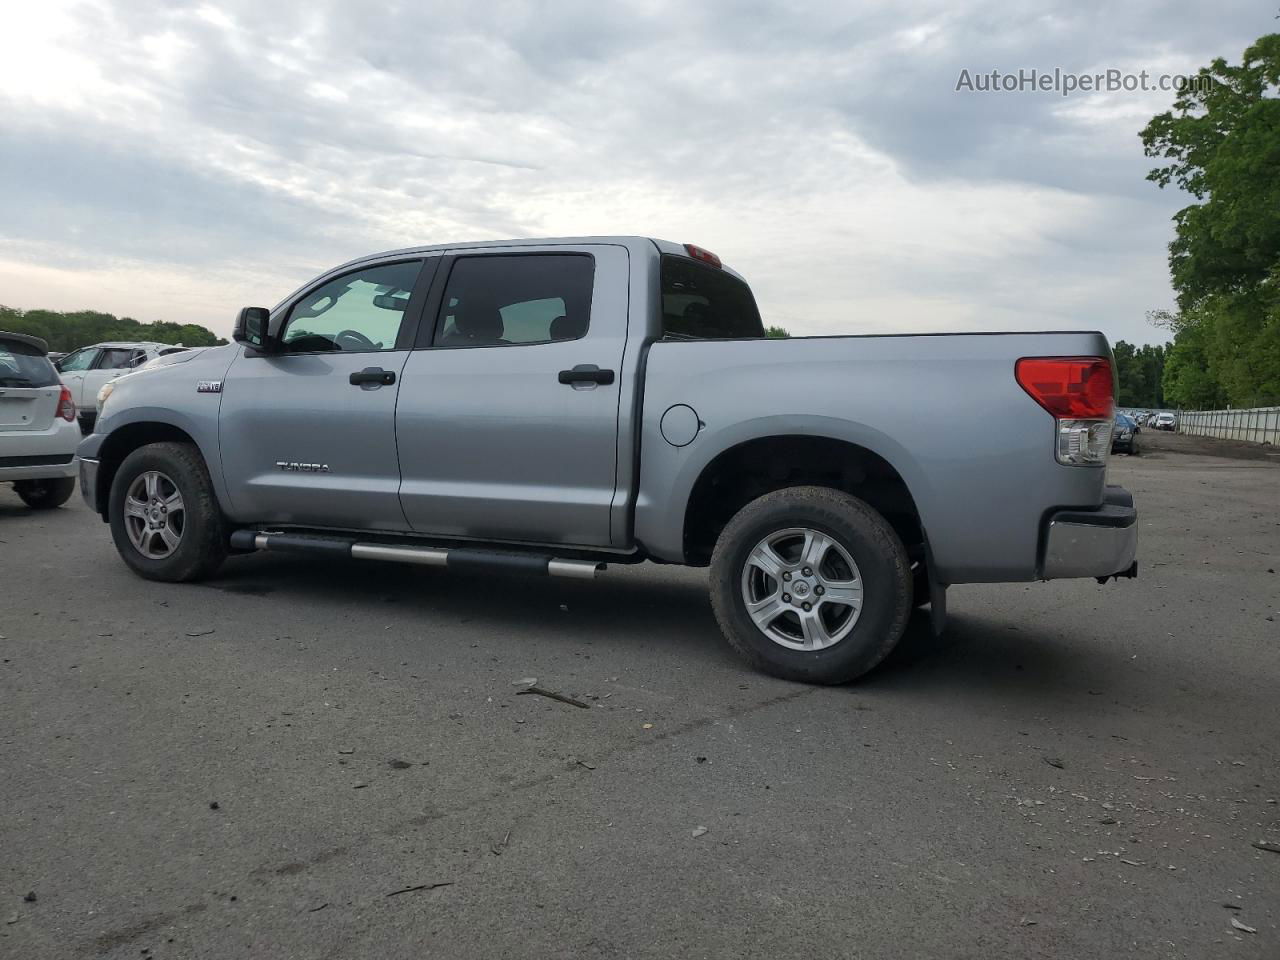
[[1258, 425]]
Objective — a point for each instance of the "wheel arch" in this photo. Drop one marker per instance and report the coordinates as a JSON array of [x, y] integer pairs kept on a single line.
[[125, 439], [879, 472]]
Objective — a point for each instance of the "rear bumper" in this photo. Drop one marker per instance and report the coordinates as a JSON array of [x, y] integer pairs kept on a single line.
[[39, 454], [1102, 542], [46, 467]]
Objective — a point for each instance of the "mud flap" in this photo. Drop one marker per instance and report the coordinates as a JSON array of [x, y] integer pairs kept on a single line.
[[937, 604]]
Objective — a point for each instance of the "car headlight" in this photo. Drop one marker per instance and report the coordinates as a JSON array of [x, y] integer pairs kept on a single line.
[[104, 393]]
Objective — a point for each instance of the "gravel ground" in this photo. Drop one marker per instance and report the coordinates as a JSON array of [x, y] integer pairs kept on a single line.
[[309, 760], [1160, 442]]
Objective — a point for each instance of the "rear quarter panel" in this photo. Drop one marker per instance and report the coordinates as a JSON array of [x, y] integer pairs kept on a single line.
[[976, 452]]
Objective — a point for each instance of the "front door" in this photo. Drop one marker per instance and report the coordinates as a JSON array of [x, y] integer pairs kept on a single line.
[[500, 437], [73, 368], [308, 434]]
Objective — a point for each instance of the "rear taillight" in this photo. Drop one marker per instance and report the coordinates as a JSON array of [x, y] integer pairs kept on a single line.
[[698, 253], [67, 406], [1080, 394]]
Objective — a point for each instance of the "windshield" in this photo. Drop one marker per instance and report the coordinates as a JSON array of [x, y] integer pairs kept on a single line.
[[22, 365]]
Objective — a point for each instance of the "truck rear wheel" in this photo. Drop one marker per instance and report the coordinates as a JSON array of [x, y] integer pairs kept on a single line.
[[811, 584], [165, 519]]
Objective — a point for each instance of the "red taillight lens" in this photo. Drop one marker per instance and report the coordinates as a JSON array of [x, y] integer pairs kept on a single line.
[[67, 406], [706, 256], [1078, 388]]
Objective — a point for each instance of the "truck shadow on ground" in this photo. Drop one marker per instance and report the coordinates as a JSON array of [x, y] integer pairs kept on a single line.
[[666, 611]]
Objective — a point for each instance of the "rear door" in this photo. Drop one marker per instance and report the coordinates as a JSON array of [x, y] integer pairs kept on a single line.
[[308, 435], [29, 389], [508, 415]]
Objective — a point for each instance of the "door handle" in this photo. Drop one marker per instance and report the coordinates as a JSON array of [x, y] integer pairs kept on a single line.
[[586, 373], [373, 375]]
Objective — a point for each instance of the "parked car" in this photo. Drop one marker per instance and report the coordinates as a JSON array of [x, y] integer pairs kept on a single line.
[[1124, 438], [38, 432], [479, 407], [181, 355], [87, 369], [1165, 421]]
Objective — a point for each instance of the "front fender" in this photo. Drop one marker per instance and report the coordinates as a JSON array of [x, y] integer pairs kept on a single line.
[[169, 400]]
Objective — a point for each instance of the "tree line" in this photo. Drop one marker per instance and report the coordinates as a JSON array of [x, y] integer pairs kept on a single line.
[[69, 331], [1221, 144], [1140, 373]]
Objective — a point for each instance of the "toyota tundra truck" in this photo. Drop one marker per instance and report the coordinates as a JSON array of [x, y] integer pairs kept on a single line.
[[552, 406]]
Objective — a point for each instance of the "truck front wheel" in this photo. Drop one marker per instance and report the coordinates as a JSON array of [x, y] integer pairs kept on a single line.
[[165, 519], [811, 584]]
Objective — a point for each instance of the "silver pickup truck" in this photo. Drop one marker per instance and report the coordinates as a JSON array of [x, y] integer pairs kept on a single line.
[[550, 406]]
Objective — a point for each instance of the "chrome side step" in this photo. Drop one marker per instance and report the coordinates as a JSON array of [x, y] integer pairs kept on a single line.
[[455, 558]]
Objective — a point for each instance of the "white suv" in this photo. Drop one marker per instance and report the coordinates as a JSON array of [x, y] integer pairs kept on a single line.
[[38, 432], [87, 370]]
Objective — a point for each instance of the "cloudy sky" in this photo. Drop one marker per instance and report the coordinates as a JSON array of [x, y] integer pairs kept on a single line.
[[179, 160]]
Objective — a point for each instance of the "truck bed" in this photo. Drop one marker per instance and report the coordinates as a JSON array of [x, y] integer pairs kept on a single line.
[[944, 410]]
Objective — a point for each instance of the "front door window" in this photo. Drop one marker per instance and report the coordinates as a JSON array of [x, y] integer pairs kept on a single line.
[[359, 312]]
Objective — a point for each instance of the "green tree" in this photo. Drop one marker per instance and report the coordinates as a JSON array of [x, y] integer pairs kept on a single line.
[[1139, 371], [79, 328], [777, 333], [1221, 144], [1187, 380]]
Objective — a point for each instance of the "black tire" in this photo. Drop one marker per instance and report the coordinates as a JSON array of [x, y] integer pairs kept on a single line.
[[45, 494], [202, 545], [883, 566]]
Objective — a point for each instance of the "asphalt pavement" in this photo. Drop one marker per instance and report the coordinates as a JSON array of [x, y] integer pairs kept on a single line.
[[317, 760]]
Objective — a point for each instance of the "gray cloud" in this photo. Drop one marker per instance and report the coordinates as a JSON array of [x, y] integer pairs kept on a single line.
[[824, 151]]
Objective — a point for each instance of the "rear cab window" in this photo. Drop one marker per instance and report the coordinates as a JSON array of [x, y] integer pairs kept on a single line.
[[22, 365], [701, 302]]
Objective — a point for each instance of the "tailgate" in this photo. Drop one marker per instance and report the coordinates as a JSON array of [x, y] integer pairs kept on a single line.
[[28, 408]]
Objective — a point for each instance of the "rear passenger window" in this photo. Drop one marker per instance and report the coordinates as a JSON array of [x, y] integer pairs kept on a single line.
[[116, 358], [705, 303], [523, 298]]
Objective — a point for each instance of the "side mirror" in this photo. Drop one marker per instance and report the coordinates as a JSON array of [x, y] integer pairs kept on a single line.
[[251, 327]]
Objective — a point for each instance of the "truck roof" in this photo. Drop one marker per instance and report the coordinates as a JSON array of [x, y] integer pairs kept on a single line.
[[663, 246]]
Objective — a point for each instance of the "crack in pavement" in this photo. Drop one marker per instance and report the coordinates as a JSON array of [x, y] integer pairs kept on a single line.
[[131, 932]]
